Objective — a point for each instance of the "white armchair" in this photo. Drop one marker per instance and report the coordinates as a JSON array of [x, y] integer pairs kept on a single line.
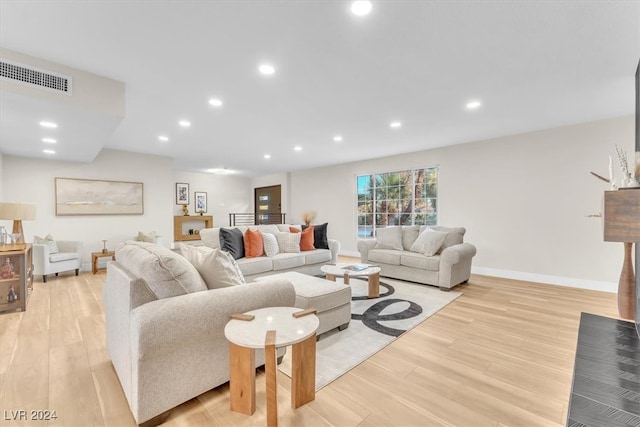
[[68, 258]]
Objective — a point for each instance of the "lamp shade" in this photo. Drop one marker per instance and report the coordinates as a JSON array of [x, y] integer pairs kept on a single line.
[[622, 215], [13, 211]]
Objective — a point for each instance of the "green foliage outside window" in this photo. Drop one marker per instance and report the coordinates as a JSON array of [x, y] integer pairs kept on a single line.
[[397, 198]]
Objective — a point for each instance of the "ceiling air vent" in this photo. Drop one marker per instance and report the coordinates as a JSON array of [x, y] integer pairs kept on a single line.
[[35, 77]]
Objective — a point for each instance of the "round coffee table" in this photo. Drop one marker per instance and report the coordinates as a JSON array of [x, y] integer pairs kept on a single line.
[[269, 328], [347, 270]]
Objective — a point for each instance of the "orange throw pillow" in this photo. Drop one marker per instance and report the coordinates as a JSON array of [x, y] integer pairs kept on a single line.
[[306, 240], [253, 246]]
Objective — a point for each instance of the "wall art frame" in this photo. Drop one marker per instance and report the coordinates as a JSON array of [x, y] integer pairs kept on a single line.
[[79, 196], [182, 193], [200, 202]]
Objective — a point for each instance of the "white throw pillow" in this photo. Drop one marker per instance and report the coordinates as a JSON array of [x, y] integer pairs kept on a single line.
[[270, 244], [217, 268], [288, 242], [389, 238], [429, 242], [53, 246], [149, 237]]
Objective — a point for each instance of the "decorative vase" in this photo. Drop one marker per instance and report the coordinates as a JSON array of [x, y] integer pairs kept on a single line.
[[185, 210]]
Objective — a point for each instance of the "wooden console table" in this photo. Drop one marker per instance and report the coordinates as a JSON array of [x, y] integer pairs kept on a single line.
[[606, 376]]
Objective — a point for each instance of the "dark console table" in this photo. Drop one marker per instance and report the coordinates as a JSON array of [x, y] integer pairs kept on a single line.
[[606, 376]]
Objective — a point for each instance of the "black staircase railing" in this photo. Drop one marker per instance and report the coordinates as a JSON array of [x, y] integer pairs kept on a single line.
[[252, 219]]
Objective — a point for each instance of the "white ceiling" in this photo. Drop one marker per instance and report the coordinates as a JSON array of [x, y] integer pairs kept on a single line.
[[534, 65]]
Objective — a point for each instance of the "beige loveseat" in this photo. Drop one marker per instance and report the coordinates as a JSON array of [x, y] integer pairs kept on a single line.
[[307, 262], [165, 329], [450, 265]]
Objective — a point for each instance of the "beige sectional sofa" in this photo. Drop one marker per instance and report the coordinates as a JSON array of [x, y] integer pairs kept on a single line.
[[165, 328], [445, 266], [308, 262]]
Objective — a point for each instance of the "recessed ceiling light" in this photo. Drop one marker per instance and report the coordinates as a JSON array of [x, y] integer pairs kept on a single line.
[[163, 138], [337, 138], [361, 8], [49, 140], [50, 125], [297, 148], [395, 125], [48, 151], [267, 156], [472, 105], [267, 69], [215, 102], [185, 123]]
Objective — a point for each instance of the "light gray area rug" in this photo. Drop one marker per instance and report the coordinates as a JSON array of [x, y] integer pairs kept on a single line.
[[375, 323]]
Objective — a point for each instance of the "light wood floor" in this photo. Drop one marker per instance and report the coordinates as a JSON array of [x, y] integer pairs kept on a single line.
[[500, 355]]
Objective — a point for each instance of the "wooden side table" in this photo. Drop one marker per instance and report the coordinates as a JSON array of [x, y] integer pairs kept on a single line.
[[96, 255], [269, 328]]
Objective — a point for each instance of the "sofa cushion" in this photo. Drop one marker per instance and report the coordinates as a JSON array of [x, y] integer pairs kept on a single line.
[[267, 228], [149, 237], [283, 261], [389, 238], [288, 242], [270, 244], [256, 265], [63, 256], [232, 241], [167, 273], [455, 236], [320, 240], [217, 268], [317, 256], [409, 235], [210, 237], [49, 241], [418, 260], [385, 256], [253, 245], [306, 238], [429, 242]]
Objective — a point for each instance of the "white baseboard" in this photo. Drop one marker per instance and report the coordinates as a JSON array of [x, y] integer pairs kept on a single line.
[[546, 279]]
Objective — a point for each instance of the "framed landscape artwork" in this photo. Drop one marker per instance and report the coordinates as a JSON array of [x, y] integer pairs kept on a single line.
[[201, 201], [182, 193], [98, 197]]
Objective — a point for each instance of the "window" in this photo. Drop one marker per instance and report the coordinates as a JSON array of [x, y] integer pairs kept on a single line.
[[407, 197]]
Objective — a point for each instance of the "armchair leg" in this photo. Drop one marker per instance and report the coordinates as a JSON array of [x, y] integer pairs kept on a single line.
[[56, 274], [77, 270], [44, 278]]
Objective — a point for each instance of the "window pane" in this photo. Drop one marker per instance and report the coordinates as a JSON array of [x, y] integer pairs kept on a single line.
[[396, 198]]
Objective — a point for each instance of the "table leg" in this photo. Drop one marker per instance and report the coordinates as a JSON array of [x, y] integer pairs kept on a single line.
[[242, 379], [374, 285], [346, 278], [94, 264], [303, 372], [331, 277], [270, 374]]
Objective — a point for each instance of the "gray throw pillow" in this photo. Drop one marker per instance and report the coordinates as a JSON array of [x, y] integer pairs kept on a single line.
[[232, 241]]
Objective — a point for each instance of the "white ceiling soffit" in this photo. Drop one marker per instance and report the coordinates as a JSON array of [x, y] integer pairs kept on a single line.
[[34, 90]]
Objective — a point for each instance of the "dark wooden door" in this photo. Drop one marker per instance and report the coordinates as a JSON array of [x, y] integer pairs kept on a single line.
[[267, 205]]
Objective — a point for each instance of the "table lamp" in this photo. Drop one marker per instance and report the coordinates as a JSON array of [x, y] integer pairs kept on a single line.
[[18, 212], [622, 224]]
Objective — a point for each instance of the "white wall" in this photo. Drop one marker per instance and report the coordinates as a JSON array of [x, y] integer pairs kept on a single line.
[[225, 194], [32, 180], [523, 199]]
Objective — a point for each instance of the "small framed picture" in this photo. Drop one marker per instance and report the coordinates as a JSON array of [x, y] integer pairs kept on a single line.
[[182, 193], [201, 201]]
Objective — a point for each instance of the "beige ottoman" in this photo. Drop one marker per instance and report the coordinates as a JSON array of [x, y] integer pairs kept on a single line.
[[331, 300]]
